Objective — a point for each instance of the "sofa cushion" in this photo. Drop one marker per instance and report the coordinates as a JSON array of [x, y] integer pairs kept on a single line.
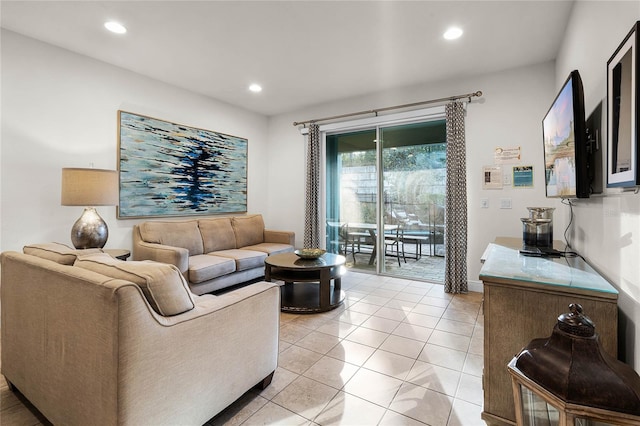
[[217, 234], [57, 252], [249, 230], [162, 284], [206, 267], [270, 248], [185, 234], [245, 259]]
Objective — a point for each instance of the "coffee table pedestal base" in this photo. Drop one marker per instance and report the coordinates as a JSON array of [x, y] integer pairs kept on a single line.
[[301, 298], [310, 285]]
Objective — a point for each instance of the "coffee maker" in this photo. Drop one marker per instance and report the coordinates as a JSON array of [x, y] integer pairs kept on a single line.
[[537, 229]]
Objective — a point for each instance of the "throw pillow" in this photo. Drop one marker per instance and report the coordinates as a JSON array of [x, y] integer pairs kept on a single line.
[[162, 284]]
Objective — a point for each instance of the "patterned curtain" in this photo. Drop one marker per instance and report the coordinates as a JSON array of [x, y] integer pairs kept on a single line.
[[456, 205], [312, 204]]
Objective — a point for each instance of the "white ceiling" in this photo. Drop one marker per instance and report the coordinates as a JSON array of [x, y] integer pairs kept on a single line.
[[301, 52]]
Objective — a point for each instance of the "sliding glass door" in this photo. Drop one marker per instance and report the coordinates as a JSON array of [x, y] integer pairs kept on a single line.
[[385, 198]]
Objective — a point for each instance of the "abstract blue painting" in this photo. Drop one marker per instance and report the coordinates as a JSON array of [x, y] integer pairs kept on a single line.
[[168, 169]]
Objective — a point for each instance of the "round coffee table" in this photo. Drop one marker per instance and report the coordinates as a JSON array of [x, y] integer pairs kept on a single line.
[[307, 282]]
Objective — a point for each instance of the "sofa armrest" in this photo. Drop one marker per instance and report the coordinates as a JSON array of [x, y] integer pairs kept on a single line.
[[177, 256], [208, 356], [282, 237], [143, 250], [207, 305]]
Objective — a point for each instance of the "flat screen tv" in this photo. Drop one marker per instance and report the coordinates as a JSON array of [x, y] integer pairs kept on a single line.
[[565, 143]]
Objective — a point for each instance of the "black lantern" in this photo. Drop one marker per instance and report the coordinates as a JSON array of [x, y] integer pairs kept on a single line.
[[568, 379]]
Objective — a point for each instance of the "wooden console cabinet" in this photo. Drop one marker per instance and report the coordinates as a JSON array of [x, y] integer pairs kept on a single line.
[[523, 297]]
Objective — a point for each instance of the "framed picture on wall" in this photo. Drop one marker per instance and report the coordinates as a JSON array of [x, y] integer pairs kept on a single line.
[[623, 113], [169, 169]]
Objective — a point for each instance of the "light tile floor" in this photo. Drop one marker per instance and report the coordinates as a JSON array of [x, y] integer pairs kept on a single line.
[[398, 352]]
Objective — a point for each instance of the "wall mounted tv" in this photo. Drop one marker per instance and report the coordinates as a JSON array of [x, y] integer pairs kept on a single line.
[[565, 143]]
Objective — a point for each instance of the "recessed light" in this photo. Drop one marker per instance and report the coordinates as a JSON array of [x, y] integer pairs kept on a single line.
[[255, 88], [115, 27], [452, 33]]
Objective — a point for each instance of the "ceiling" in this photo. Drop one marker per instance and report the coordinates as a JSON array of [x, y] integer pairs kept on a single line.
[[301, 52]]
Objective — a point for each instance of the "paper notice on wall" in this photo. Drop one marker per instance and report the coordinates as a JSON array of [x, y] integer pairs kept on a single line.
[[507, 155], [523, 176], [492, 178]]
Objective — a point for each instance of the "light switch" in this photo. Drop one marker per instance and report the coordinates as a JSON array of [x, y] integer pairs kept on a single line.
[[484, 203], [505, 203]]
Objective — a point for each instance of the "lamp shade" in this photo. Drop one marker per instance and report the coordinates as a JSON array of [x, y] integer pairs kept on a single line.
[[89, 187]]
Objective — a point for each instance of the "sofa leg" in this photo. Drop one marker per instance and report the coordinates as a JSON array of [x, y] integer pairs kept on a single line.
[[265, 382], [12, 388]]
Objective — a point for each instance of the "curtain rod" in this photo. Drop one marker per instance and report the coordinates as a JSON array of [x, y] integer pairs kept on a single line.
[[376, 111]]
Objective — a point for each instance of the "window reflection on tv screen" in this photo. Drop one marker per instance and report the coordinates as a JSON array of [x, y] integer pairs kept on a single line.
[[559, 145]]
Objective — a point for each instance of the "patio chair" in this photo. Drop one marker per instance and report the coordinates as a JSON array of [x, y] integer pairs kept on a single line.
[[346, 242], [393, 240]]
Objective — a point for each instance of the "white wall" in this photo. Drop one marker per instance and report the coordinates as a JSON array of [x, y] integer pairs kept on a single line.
[[509, 114], [607, 228], [59, 109]]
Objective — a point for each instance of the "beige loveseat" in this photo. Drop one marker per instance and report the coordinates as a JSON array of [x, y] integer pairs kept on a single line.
[[212, 253], [90, 340]]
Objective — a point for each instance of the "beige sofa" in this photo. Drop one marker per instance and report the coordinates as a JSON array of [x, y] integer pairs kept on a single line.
[[212, 253], [90, 340]]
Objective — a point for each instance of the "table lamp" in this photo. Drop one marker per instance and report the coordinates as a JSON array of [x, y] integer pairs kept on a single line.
[[89, 187]]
